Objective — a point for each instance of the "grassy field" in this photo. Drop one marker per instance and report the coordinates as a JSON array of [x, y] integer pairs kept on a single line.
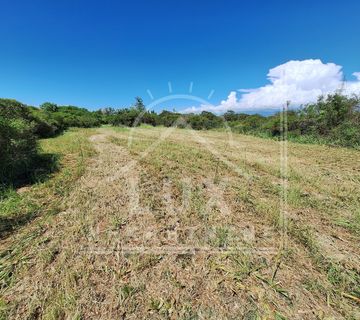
[[156, 223]]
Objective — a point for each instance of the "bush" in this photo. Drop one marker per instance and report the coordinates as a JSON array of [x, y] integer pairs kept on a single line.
[[205, 120], [167, 118], [51, 119], [17, 141], [346, 134], [134, 116], [335, 118], [127, 117], [21, 126]]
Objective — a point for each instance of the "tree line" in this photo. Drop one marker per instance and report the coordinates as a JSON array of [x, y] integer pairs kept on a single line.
[[333, 119]]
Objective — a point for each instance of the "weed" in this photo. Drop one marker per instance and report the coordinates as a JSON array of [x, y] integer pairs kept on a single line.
[[126, 292], [222, 237]]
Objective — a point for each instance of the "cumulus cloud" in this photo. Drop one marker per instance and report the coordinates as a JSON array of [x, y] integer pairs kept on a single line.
[[299, 82]]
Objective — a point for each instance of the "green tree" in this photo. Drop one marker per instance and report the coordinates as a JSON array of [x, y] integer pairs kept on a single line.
[[50, 107], [139, 105]]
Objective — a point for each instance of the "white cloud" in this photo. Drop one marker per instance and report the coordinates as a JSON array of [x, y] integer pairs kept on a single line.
[[357, 75], [299, 82]]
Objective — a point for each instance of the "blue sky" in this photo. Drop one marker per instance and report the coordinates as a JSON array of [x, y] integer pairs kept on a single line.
[[104, 53]]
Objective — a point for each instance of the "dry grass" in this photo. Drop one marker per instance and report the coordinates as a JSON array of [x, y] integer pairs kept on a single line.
[[184, 225]]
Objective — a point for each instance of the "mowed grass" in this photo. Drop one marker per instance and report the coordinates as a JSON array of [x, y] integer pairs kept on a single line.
[[161, 223], [322, 191], [69, 153], [40, 201]]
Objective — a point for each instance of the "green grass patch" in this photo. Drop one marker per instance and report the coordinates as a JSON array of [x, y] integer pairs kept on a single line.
[[42, 199]]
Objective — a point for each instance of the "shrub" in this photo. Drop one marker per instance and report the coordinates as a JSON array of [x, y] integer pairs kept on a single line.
[[21, 126], [17, 141]]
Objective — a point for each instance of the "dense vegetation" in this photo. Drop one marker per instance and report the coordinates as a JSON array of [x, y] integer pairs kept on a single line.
[[17, 140], [333, 119], [21, 126]]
